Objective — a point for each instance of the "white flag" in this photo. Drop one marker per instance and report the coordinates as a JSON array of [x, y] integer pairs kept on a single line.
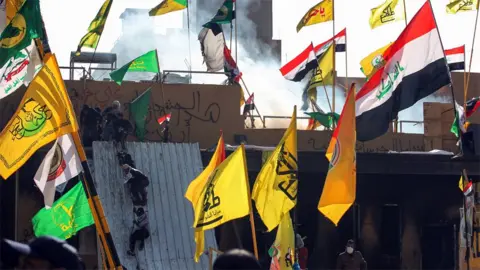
[[61, 164], [212, 43], [19, 70]]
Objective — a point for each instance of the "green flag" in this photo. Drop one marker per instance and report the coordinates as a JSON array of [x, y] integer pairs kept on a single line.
[[224, 15], [145, 63], [68, 215], [167, 6], [458, 127], [326, 119], [139, 110], [25, 26], [95, 30]]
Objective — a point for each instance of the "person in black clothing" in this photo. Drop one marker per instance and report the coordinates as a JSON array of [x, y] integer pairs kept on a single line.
[[90, 122], [351, 259], [110, 114], [137, 183], [139, 231], [166, 131]]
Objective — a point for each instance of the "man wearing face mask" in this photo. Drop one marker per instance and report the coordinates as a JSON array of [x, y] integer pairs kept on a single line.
[[351, 259]]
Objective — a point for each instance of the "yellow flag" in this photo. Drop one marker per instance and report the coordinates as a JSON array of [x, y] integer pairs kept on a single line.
[[321, 12], [388, 12], [340, 186], [225, 196], [323, 74], [195, 189], [461, 5], [374, 61], [275, 189], [95, 29], [11, 8], [45, 113], [461, 186], [283, 249]]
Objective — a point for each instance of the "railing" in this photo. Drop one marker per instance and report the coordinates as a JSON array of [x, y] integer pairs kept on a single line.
[[398, 126]]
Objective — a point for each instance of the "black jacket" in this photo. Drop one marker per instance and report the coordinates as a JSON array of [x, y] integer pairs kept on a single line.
[[354, 261]]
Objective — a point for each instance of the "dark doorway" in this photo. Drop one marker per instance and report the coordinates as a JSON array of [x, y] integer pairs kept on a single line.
[[438, 247]]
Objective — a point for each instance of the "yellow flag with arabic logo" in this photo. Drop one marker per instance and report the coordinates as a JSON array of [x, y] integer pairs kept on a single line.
[[45, 113], [456, 6], [283, 249], [339, 191], [226, 194], [197, 185], [95, 30], [321, 12], [388, 12], [275, 189]]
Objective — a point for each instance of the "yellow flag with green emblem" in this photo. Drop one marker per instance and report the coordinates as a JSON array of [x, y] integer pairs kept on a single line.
[[95, 29], [45, 113], [167, 6], [374, 61]]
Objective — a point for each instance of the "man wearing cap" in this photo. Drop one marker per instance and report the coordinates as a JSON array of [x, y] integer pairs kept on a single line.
[[137, 183], [351, 259], [45, 252]]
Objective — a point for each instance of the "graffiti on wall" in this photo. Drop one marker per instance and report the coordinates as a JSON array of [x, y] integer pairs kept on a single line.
[[395, 144], [193, 109]]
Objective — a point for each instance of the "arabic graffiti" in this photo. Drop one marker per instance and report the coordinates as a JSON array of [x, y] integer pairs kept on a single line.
[[392, 76], [397, 145], [185, 113]]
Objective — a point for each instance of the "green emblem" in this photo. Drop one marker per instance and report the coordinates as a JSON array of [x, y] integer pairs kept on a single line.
[[30, 120], [387, 84]]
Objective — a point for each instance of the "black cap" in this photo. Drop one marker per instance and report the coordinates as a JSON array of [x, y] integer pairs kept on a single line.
[[57, 252]]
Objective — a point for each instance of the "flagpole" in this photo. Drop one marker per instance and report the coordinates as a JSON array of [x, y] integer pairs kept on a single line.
[[346, 59], [405, 13], [467, 251], [189, 41], [465, 88], [252, 220], [236, 28], [334, 52], [450, 75], [101, 222], [471, 54]]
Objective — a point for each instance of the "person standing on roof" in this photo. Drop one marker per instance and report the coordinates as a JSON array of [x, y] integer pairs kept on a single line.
[[110, 115]]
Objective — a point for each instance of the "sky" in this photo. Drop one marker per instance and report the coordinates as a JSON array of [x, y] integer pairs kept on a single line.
[[66, 23]]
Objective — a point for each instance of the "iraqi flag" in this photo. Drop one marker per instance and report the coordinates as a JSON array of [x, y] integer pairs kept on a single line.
[[456, 58], [340, 44], [472, 106], [61, 164], [164, 118], [298, 68], [415, 67]]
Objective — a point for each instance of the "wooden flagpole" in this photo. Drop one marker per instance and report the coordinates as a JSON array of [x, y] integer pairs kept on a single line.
[[405, 13], [252, 220]]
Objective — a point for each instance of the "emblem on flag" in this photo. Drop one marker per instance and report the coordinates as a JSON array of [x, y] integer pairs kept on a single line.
[[30, 119]]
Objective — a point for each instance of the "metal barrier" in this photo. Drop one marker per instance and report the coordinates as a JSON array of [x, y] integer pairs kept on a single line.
[[71, 69]]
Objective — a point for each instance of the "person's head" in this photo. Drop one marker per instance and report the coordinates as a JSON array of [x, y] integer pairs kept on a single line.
[[44, 252], [236, 259], [126, 168], [140, 211], [350, 247], [116, 104]]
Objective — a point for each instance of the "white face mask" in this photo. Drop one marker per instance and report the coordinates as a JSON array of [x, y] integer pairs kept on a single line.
[[349, 250]]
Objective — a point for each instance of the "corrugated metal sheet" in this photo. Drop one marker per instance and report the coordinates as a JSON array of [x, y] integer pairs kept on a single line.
[[170, 168]]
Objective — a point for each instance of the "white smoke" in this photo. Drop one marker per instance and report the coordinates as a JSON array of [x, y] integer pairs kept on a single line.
[[273, 94]]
